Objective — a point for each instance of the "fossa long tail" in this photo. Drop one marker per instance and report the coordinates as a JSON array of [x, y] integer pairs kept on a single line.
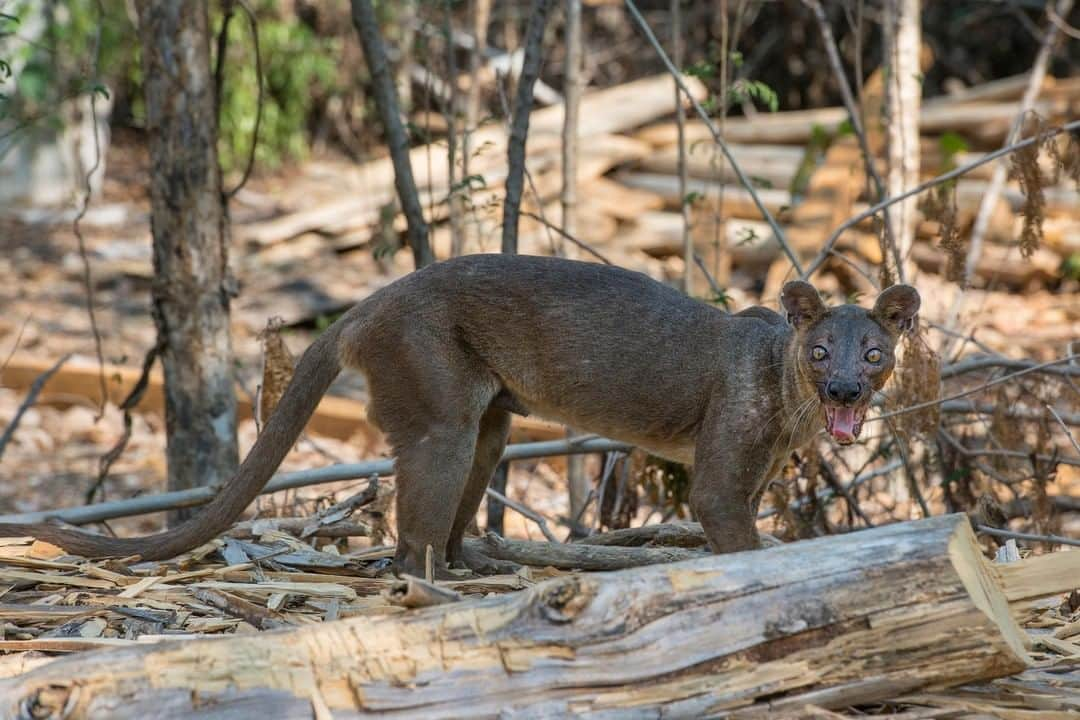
[[317, 368]]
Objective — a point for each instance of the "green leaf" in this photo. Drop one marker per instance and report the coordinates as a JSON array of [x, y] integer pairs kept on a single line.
[[5, 70], [720, 297], [845, 129], [736, 58], [701, 70], [950, 143], [692, 197], [99, 89]]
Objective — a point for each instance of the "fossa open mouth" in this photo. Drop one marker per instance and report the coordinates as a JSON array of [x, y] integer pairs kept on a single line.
[[844, 423]]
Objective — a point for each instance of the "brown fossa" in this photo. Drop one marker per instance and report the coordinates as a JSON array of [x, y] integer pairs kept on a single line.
[[452, 350]]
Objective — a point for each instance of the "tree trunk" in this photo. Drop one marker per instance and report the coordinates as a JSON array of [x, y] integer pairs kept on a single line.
[[577, 481], [903, 100], [191, 287], [519, 126], [367, 27], [831, 622]]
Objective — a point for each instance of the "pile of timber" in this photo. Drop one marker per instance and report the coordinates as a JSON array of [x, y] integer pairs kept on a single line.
[[895, 614], [310, 252]]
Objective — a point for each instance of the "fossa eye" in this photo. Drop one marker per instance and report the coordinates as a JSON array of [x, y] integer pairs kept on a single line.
[[819, 353], [873, 355]]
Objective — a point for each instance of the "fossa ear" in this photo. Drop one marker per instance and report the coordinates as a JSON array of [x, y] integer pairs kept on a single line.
[[896, 308], [802, 303]]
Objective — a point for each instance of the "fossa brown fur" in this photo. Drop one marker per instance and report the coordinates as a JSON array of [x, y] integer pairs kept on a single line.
[[450, 351]]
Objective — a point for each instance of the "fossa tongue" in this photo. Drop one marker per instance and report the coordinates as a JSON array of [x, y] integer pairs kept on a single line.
[[844, 420]]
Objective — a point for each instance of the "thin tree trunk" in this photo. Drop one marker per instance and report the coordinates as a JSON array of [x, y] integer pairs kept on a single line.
[[903, 100], [192, 286], [577, 481], [367, 27], [680, 125], [519, 127], [480, 14], [455, 205]]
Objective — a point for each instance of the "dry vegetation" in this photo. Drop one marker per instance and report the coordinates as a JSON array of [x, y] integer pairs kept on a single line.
[[954, 433]]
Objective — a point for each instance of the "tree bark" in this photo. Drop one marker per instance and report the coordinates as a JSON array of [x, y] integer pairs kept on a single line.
[[519, 128], [577, 481], [382, 81], [191, 286], [831, 622], [903, 99]]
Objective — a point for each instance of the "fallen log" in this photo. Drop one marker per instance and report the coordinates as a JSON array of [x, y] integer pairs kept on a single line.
[[737, 201], [336, 417], [797, 126], [830, 622]]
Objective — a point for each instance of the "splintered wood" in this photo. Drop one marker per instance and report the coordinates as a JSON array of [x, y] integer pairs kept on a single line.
[[902, 611]]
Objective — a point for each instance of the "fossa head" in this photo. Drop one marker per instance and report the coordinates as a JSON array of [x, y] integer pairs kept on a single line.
[[847, 352]]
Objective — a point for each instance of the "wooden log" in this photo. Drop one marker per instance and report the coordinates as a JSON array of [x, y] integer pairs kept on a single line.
[[796, 126], [737, 201], [603, 112], [772, 166], [337, 417], [750, 243], [831, 622], [577, 556], [1001, 264]]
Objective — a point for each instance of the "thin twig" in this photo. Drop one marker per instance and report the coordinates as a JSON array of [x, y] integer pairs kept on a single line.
[[971, 391], [253, 23], [1051, 539], [1061, 24], [15, 345], [1068, 432], [134, 398], [713, 285], [843, 491], [31, 397], [851, 222], [972, 364], [567, 236], [525, 511], [717, 138], [1018, 454], [88, 283], [909, 473]]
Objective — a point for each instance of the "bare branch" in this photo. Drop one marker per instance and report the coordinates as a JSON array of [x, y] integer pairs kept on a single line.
[[972, 391], [851, 222], [997, 181], [253, 24], [88, 284], [567, 236], [854, 116], [525, 511], [31, 397], [717, 138], [1051, 539]]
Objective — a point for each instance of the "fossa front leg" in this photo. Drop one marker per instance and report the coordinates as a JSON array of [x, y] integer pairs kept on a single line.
[[726, 489]]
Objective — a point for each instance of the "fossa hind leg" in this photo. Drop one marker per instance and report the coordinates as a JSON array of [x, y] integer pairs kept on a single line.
[[490, 443], [431, 415]]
